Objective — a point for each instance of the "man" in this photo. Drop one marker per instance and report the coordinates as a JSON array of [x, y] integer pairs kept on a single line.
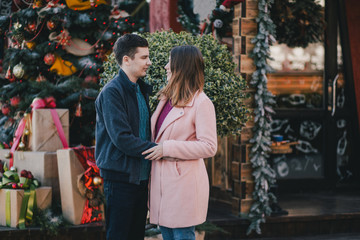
[[122, 134]]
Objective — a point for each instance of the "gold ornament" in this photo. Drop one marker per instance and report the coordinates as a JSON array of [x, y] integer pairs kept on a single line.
[[97, 181], [30, 45], [26, 132], [21, 145]]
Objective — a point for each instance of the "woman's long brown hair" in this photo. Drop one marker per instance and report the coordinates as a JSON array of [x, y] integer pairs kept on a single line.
[[187, 68]]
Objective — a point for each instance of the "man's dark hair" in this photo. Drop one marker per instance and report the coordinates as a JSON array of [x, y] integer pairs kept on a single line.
[[126, 46]]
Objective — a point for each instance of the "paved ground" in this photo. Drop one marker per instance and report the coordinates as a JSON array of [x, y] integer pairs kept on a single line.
[[343, 236]]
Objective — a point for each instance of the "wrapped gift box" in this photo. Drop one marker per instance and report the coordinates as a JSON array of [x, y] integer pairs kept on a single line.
[[44, 167], [4, 153], [72, 202], [44, 136], [43, 200]]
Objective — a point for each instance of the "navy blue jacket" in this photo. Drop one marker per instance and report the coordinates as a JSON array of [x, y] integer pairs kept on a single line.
[[118, 145]]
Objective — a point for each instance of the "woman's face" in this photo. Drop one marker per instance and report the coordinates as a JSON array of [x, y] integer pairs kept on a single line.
[[168, 70]]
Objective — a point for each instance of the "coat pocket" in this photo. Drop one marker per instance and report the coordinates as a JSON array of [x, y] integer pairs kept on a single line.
[[177, 168]]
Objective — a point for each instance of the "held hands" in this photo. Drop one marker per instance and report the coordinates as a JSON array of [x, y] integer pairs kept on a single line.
[[154, 153]]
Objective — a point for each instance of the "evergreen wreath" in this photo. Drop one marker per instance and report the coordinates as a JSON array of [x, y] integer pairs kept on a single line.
[[263, 174], [298, 22], [220, 18]]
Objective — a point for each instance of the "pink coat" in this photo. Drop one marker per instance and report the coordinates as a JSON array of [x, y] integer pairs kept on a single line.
[[179, 184]]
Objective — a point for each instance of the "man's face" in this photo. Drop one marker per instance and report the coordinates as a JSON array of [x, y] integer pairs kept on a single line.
[[140, 63]]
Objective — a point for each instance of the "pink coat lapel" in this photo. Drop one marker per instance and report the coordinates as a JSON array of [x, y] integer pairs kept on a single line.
[[174, 114]]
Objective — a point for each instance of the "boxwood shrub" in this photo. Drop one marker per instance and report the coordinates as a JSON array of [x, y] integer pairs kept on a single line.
[[222, 85]]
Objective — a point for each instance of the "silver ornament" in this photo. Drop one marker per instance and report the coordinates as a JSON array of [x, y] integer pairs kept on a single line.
[[18, 70], [218, 23]]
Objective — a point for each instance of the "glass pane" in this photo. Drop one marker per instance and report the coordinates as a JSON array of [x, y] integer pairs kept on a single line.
[[343, 126], [298, 78], [305, 158]]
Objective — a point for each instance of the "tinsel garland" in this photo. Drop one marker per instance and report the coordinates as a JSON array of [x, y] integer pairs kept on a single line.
[[263, 174]]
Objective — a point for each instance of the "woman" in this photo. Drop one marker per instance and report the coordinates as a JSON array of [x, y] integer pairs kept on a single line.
[[184, 126]]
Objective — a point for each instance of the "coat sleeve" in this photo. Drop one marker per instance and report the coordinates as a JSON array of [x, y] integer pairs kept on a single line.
[[205, 144], [117, 124]]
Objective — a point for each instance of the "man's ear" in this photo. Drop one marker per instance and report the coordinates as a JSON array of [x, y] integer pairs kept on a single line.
[[125, 60]]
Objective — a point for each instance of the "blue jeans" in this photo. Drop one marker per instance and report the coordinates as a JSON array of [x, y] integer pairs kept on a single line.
[[126, 209], [187, 233]]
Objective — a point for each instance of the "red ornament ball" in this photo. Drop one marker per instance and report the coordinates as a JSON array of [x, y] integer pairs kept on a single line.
[[91, 79], [49, 59], [14, 101], [5, 109]]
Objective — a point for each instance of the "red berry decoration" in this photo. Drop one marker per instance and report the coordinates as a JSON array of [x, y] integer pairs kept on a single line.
[[49, 59], [23, 173], [29, 175], [14, 186]]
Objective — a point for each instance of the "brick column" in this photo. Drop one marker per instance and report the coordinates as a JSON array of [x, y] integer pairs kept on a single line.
[[244, 29]]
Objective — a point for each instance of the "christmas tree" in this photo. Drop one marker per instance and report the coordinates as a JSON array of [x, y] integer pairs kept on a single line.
[[56, 49]]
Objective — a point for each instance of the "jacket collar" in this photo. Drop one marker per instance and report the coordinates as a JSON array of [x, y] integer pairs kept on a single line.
[[189, 104], [125, 81]]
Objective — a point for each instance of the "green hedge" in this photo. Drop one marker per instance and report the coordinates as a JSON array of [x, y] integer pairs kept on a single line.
[[222, 85]]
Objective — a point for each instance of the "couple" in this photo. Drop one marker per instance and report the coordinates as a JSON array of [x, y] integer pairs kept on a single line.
[[163, 157]]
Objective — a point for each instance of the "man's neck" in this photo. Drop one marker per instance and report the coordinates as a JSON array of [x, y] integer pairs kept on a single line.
[[131, 78]]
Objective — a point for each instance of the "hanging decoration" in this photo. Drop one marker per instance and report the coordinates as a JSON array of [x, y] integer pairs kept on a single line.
[[263, 174], [63, 67], [51, 25], [298, 22]]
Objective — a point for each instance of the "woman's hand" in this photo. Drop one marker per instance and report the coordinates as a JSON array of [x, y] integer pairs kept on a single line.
[[155, 153]]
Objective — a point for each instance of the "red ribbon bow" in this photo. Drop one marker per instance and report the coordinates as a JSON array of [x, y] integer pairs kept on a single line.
[[48, 102]]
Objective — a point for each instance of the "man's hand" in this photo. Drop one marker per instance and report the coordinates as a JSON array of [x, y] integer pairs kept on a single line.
[[155, 153]]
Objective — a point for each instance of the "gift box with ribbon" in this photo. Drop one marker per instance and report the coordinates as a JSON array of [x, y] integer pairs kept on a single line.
[[20, 196], [44, 135], [80, 185], [44, 129], [43, 166]]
